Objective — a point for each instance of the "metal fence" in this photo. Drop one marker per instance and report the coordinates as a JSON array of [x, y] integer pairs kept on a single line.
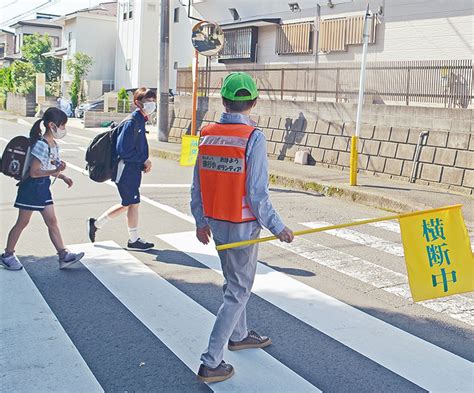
[[436, 83]]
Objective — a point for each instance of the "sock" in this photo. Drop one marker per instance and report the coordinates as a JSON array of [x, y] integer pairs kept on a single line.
[[133, 233], [7, 254], [62, 253], [102, 220]]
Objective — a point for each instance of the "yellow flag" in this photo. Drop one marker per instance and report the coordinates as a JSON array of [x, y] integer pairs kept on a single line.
[[189, 150], [437, 253]]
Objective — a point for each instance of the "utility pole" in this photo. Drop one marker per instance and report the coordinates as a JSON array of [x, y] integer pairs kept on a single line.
[[163, 72]]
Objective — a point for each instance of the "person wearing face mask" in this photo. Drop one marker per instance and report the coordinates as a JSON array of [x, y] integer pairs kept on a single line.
[[34, 192], [132, 151]]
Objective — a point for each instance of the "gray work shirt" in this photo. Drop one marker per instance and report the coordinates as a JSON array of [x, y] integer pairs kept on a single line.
[[258, 196]]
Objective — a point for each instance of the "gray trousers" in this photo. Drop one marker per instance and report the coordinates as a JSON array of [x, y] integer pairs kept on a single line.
[[239, 267]]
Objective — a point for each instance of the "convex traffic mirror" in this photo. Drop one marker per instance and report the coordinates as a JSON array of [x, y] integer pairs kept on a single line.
[[207, 38]]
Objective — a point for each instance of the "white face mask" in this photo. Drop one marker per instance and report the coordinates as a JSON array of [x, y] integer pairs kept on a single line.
[[149, 107], [58, 133]]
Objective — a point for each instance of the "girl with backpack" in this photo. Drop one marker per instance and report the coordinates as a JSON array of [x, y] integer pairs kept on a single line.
[[34, 192]]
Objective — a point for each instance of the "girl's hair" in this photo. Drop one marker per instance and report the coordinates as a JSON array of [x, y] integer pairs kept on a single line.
[[55, 115]]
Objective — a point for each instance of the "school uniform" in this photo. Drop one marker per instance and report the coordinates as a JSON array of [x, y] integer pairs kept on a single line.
[[34, 192], [132, 150]]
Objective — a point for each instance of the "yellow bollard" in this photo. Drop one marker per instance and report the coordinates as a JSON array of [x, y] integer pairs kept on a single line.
[[353, 162]]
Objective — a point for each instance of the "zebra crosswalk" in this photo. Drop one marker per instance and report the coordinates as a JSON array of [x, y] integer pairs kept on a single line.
[[50, 352], [182, 324], [355, 329]]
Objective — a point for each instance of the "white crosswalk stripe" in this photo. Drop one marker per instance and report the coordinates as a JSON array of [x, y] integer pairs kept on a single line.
[[391, 226], [360, 238], [37, 354], [365, 334]]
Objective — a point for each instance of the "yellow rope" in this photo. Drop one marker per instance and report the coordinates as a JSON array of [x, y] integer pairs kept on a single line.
[[328, 228]]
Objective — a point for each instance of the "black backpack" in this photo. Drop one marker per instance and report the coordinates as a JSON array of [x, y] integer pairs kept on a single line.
[[16, 158], [101, 155]]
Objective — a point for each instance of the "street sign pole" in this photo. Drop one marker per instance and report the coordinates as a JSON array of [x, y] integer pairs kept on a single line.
[[163, 77], [355, 138]]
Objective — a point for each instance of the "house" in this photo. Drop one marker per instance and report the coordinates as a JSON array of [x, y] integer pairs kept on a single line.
[[41, 25], [302, 34], [138, 42], [91, 31], [308, 31], [418, 52], [7, 46]]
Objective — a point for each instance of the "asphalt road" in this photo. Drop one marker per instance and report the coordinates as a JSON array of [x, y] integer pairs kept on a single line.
[[336, 305]]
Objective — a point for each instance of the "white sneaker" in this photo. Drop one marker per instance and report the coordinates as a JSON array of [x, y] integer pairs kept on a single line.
[[11, 262], [69, 258]]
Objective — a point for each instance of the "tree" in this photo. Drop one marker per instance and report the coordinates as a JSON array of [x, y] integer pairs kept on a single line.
[[34, 48], [6, 81], [6, 85], [23, 76], [79, 66]]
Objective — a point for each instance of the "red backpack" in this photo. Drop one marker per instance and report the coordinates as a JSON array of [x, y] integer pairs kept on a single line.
[[15, 161]]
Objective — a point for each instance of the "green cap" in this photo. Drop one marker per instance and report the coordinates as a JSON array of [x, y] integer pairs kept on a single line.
[[236, 81]]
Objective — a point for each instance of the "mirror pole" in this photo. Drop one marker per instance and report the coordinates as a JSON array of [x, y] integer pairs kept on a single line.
[[195, 91]]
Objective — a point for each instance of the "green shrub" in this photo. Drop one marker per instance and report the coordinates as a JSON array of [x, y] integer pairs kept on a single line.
[[123, 104], [23, 77]]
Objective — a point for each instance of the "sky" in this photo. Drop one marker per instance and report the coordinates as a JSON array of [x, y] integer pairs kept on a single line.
[[11, 8]]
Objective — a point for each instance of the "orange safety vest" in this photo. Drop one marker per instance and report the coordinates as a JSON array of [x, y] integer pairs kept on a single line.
[[222, 172]]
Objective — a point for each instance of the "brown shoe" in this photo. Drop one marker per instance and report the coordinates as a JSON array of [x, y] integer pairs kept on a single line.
[[222, 372], [253, 340]]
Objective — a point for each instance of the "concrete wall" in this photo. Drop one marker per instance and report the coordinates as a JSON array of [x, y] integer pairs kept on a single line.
[[95, 119], [387, 144], [21, 105]]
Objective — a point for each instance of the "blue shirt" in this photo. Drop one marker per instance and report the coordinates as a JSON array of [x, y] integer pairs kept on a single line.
[[257, 191], [131, 147]]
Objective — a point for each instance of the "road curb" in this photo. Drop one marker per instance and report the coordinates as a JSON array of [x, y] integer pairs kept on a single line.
[[330, 190], [345, 193]]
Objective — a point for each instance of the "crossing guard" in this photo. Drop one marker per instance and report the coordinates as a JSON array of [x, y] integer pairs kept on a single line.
[[230, 199]]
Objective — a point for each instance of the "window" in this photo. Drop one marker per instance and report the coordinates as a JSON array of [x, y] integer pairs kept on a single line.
[[124, 5], [295, 38], [176, 15], [54, 41], [336, 34], [130, 9], [239, 44], [17, 43], [234, 13], [2, 51]]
